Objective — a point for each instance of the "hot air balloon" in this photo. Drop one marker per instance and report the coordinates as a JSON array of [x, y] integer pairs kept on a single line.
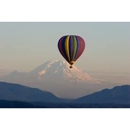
[[71, 48]]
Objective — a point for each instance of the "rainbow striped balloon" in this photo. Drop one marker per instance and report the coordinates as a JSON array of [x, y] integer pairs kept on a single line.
[[71, 47]]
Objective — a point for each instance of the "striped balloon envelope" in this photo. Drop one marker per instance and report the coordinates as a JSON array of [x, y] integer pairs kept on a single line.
[[71, 47]]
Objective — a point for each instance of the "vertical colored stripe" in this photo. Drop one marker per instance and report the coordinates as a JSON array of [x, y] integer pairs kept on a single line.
[[74, 47], [71, 47], [67, 47], [61, 46], [81, 48], [78, 46]]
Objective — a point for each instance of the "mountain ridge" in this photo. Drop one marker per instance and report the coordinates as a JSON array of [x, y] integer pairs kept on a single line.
[[17, 92], [19, 96], [118, 94]]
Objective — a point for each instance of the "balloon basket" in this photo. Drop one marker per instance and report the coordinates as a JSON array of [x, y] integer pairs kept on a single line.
[[71, 67]]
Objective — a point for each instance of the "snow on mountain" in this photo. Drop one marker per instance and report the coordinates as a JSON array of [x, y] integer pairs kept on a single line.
[[55, 76], [60, 69]]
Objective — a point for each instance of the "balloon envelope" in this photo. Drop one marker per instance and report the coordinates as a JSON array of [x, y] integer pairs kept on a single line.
[[71, 47]]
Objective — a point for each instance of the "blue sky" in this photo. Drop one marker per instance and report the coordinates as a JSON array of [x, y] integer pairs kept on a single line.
[[24, 46]]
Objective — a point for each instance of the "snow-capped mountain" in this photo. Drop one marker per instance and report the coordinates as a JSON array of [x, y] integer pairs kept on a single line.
[[56, 77], [60, 70]]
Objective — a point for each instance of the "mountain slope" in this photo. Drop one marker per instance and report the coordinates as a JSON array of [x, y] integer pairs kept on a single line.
[[60, 69], [117, 95], [55, 76], [18, 96], [17, 92]]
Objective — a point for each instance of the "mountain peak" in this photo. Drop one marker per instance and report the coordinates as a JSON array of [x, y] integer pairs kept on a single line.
[[61, 69]]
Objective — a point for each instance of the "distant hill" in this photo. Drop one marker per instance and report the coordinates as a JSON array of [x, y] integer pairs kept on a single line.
[[19, 96], [116, 95], [17, 92]]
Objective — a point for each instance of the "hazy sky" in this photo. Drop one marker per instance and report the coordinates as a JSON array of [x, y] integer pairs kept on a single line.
[[24, 46]]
